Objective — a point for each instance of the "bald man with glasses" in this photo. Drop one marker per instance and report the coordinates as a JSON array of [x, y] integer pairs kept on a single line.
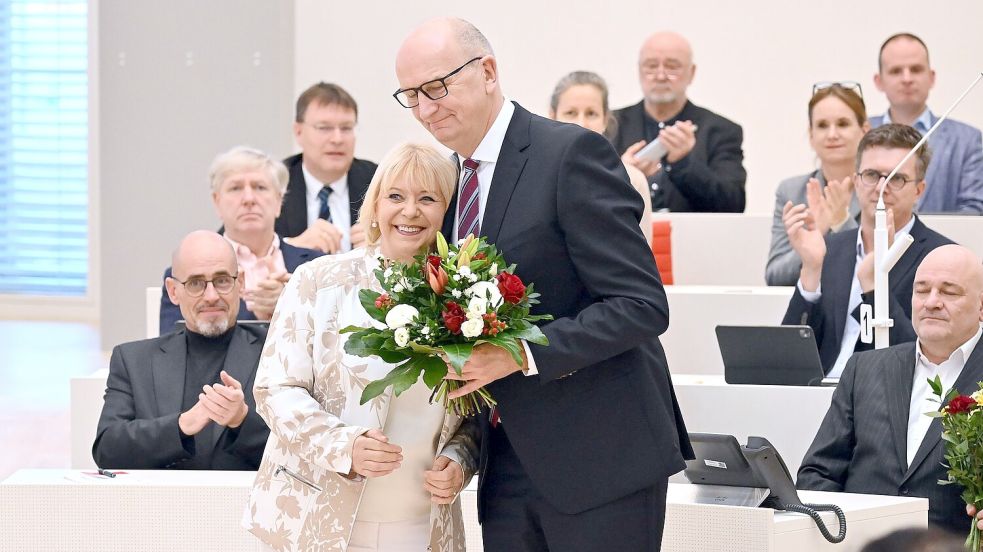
[[702, 169], [184, 400]]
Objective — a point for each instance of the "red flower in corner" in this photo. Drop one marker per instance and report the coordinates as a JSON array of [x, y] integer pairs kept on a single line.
[[434, 260], [453, 316], [960, 404], [511, 287]]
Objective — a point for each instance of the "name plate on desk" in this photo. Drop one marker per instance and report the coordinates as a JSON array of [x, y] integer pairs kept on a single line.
[[720, 495]]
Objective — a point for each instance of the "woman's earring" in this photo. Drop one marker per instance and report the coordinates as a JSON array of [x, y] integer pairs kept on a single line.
[[374, 224]]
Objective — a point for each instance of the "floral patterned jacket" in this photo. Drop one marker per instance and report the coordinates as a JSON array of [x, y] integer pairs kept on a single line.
[[307, 389]]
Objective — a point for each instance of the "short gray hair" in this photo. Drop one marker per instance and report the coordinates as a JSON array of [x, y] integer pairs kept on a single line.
[[471, 40], [244, 158]]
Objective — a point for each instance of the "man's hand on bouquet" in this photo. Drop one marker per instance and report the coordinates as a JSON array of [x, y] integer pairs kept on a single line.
[[374, 456], [444, 480], [971, 512], [487, 363]]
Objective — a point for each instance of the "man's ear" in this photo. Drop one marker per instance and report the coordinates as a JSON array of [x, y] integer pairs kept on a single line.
[[170, 284], [878, 83]]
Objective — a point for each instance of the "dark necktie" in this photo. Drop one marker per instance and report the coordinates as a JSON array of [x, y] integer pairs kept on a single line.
[[325, 211], [468, 201]]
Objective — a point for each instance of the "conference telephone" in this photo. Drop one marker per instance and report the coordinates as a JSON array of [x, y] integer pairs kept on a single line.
[[753, 474]]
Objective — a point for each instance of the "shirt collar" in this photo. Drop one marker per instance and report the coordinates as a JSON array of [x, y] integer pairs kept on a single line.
[[242, 250], [906, 229], [922, 123], [960, 355], [314, 185], [491, 145]]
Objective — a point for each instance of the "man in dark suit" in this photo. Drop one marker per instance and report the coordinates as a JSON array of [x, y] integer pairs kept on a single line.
[[247, 193], [327, 183], [702, 169], [837, 273], [587, 430], [876, 438], [184, 400]]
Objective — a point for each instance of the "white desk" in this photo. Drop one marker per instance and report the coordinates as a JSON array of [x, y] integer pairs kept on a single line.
[[787, 416], [57, 510], [694, 312]]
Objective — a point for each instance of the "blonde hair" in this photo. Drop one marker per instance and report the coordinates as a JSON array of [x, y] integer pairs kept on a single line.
[[244, 158], [421, 164]]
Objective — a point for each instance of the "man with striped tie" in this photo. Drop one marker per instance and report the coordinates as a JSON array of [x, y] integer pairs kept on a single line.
[[327, 182], [587, 430]]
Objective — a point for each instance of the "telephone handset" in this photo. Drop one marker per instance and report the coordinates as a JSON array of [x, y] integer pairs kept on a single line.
[[722, 461]]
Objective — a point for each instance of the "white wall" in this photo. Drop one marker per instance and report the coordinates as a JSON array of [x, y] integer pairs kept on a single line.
[[756, 60]]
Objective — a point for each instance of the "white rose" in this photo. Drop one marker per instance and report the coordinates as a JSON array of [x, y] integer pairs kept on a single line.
[[402, 336], [477, 307], [400, 316], [472, 328], [487, 291], [398, 288]]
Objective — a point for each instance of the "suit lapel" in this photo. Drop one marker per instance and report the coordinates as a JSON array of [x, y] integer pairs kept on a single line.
[[841, 282], [448, 227], [908, 262], [295, 203], [508, 169], [168, 366], [358, 183], [632, 126], [966, 383], [898, 391]]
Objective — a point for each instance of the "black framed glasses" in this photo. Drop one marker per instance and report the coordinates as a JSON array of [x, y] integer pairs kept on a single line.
[[870, 177], [223, 283], [435, 89], [846, 85]]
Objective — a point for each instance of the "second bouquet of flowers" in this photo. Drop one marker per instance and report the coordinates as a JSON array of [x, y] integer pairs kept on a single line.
[[434, 311]]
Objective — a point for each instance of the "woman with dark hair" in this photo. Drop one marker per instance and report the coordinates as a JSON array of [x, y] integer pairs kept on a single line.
[[581, 98], [837, 122]]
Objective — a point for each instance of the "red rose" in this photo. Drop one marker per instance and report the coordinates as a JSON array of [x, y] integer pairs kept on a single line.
[[434, 260], [511, 287], [453, 316], [960, 404]]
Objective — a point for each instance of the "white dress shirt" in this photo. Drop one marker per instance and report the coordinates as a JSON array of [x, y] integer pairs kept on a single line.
[[921, 392], [851, 330], [338, 203]]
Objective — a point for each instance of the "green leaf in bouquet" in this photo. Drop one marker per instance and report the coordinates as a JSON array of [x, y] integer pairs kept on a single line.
[[441, 245], [532, 334], [434, 370], [367, 297], [401, 378], [424, 349], [370, 347], [352, 328], [936, 385], [458, 354]]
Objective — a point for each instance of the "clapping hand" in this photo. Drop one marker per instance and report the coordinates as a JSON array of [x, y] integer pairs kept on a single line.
[[262, 300], [829, 206], [225, 403], [647, 166], [679, 139], [806, 239], [444, 480], [322, 235]]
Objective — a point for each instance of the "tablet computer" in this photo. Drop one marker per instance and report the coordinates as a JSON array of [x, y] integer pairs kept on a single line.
[[770, 355]]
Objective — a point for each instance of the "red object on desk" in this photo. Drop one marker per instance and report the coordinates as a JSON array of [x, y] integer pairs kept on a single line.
[[662, 249]]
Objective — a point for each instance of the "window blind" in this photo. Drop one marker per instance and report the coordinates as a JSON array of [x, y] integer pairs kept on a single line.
[[43, 147]]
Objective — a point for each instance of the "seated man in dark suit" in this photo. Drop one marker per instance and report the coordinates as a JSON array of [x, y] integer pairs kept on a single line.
[[247, 191], [327, 183], [184, 400], [838, 271], [703, 169], [876, 438]]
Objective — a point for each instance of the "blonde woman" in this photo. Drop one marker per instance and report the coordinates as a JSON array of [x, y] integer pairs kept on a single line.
[[337, 475]]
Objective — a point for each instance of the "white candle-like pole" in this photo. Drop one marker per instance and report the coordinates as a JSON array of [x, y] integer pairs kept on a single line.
[[884, 258]]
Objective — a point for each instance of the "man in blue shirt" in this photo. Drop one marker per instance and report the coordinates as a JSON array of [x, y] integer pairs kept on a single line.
[[955, 175]]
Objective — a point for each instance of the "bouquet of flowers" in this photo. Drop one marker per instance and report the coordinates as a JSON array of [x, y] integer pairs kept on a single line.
[[434, 311], [962, 431]]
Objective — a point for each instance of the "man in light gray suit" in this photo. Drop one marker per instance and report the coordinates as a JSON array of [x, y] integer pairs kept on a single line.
[[955, 175], [876, 438]]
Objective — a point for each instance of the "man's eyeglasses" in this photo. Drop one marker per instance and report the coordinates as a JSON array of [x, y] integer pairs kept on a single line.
[[435, 89], [672, 72], [195, 287], [345, 130], [846, 85], [870, 177]]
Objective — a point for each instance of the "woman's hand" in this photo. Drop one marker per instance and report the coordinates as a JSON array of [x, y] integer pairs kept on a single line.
[[374, 456], [444, 480]]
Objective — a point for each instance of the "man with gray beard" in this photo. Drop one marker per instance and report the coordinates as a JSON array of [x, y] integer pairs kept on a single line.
[[184, 400]]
